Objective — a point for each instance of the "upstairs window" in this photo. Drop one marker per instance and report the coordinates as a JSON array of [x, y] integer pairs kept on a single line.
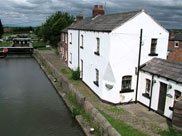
[[126, 82], [62, 37], [66, 38], [96, 82], [70, 38], [81, 42], [176, 44], [97, 52], [153, 47]]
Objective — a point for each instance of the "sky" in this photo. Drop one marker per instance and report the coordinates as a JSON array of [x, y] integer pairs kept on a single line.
[[34, 12]]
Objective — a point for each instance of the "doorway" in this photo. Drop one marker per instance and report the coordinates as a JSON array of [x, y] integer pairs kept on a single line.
[[162, 98]]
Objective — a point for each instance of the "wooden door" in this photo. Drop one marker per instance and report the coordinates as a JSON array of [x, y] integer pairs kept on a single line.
[[162, 98]]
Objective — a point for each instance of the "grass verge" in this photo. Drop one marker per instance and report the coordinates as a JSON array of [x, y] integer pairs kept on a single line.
[[171, 132], [121, 127], [5, 44]]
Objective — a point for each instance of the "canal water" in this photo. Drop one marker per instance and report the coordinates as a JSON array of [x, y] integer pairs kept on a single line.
[[29, 104]]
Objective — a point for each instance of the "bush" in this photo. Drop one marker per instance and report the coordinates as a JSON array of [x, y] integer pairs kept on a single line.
[[75, 112], [76, 74]]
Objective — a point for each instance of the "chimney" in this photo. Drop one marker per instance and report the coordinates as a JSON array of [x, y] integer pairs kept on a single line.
[[79, 17], [98, 10], [172, 34]]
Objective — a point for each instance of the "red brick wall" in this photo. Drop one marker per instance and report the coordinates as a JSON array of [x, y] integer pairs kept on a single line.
[[175, 56], [171, 45]]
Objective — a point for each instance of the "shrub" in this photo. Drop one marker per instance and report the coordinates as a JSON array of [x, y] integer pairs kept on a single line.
[[76, 74]]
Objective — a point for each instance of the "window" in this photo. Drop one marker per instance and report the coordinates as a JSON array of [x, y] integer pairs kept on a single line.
[[153, 47], [81, 42], [66, 38], [176, 44], [96, 82], [177, 95], [70, 38], [97, 52], [62, 37], [147, 87], [126, 82], [71, 58]]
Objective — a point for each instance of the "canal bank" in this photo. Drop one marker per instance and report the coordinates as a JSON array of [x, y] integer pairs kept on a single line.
[[86, 114]]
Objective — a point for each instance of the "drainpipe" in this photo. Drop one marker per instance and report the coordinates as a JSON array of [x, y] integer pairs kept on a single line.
[[139, 56], [78, 48], [151, 92]]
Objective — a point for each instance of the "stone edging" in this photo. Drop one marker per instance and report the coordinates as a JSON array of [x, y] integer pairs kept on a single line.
[[98, 118]]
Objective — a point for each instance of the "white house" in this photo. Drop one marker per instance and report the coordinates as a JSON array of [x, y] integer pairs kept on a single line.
[[160, 85], [106, 48]]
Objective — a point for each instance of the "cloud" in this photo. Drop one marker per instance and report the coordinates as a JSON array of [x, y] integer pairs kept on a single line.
[[35, 12]]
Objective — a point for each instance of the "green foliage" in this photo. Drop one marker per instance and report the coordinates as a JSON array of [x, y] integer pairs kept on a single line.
[[171, 132], [50, 30], [1, 29], [76, 74], [122, 128], [5, 44], [65, 71], [75, 112]]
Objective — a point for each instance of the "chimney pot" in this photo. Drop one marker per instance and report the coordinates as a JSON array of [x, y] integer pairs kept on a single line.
[[98, 10]]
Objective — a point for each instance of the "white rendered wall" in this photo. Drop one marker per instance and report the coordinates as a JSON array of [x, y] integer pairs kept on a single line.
[[125, 48], [73, 48], [155, 94], [92, 61]]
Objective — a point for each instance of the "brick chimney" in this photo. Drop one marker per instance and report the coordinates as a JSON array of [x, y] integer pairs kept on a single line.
[[98, 10], [79, 17], [172, 34]]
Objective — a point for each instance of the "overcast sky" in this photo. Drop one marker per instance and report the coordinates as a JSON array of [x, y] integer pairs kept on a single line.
[[34, 12]]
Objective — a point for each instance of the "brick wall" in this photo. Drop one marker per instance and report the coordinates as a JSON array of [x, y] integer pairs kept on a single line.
[[175, 56]]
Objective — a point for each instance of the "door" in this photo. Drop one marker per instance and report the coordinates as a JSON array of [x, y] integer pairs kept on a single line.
[[162, 98]]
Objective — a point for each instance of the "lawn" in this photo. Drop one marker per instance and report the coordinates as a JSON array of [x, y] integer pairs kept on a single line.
[[39, 44], [5, 44]]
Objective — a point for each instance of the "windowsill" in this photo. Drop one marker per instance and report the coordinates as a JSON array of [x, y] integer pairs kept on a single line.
[[146, 95], [153, 54], [126, 91], [97, 53], [81, 47], [70, 62], [96, 83]]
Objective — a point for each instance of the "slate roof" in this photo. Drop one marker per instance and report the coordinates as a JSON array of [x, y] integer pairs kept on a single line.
[[65, 30], [164, 68], [177, 37], [104, 23]]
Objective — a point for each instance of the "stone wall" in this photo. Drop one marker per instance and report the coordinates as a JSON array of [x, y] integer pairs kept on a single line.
[[98, 118]]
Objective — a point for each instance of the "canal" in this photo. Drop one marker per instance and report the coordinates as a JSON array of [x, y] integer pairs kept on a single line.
[[29, 104]]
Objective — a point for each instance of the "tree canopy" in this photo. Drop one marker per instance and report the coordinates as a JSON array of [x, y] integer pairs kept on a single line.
[[1, 29], [50, 30]]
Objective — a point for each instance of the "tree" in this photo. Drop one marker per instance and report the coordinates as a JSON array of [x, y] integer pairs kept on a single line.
[[1, 29], [50, 30]]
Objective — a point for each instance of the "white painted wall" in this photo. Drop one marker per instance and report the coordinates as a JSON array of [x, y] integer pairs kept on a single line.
[[125, 48], [73, 48], [118, 55], [92, 61], [155, 95]]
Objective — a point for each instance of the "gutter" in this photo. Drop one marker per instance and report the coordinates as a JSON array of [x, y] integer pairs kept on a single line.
[[139, 57]]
